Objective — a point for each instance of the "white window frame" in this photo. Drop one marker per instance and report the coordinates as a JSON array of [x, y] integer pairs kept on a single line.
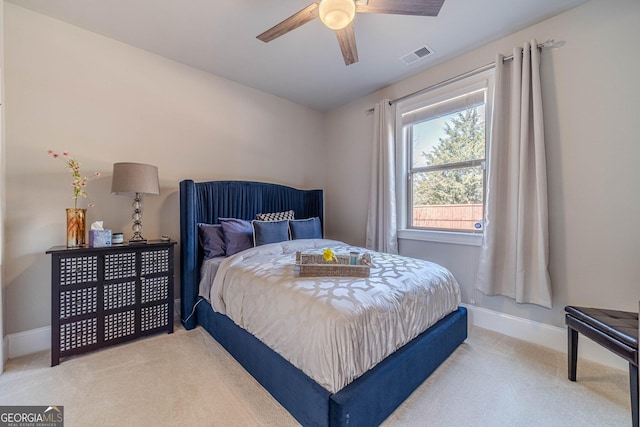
[[439, 94]]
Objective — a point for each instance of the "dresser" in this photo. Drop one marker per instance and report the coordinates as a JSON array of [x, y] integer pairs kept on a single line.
[[105, 296]]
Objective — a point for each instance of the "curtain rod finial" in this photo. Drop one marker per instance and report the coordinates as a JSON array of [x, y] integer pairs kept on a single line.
[[551, 43]]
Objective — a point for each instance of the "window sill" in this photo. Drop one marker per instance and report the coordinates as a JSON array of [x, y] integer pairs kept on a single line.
[[471, 239]]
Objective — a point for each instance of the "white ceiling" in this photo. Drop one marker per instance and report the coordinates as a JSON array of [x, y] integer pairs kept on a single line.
[[305, 65]]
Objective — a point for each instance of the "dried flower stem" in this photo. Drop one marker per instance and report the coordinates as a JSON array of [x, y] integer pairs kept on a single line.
[[79, 182]]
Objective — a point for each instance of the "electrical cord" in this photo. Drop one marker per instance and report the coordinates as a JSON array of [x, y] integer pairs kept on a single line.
[[192, 311]]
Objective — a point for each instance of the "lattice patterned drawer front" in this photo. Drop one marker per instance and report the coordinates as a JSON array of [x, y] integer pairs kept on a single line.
[[156, 316], [155, 261], [120, 265], [119, 325], [82, 269], [78, 302], [155, 289], [118, 295], [78, 334]]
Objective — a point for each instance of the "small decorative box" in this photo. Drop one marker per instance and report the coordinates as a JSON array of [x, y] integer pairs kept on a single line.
[[99, 238]]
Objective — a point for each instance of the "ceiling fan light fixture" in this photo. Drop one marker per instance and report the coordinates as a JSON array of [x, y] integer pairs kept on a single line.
[[337, 14]]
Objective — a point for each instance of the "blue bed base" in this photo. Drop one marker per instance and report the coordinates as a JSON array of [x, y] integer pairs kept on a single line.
[[368, 400]]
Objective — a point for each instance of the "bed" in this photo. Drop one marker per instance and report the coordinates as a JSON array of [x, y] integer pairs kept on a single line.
[[366, 400]]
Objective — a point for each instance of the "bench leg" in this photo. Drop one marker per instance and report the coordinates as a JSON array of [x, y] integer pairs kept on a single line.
[[573, 352], [633, 381]]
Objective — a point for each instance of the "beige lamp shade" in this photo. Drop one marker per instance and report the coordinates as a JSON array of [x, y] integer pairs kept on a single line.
[[138, 179], [132, 178]]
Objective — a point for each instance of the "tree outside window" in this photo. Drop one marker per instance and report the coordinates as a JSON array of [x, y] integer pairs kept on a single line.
[[447, 171]]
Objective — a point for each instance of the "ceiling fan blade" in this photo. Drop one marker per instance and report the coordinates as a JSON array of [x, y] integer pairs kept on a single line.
[[401, 7], [347, 41], [307, 14]]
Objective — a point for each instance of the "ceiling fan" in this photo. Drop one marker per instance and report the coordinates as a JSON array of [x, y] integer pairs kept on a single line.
[[338, 15]]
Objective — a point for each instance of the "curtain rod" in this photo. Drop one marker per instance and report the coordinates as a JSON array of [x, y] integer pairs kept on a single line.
[[548, 43]]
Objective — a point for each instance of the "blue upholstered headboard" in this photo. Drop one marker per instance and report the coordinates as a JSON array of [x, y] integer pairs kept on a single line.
[[205, 202]]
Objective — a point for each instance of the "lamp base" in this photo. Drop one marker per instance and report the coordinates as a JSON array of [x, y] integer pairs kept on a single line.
[[138, 242]]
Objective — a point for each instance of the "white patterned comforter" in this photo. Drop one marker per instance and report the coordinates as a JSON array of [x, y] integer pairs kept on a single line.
[[333, 329]]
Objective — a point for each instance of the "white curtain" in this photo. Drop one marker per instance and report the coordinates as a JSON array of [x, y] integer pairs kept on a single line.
[[515, 250], [382, 229]]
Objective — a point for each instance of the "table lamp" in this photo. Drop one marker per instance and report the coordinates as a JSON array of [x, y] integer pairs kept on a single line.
[[136, 179]]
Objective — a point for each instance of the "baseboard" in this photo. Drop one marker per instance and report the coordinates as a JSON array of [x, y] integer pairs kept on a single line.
[[5, 350], [28, 342], [541, 334], [23, 343], [34, 340]]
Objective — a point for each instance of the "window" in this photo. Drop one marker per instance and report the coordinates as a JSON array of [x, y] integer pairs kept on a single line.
[[443, 135]]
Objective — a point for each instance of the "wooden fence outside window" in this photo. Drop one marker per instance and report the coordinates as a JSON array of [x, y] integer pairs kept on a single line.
[[456, 217]]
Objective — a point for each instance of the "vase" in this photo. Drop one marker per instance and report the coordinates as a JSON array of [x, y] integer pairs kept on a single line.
[[76, 226]]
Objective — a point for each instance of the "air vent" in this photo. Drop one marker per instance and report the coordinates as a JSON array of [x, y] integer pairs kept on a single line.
[[418, 54]]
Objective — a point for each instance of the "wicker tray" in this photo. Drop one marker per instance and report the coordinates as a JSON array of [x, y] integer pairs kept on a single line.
[[314, 265]]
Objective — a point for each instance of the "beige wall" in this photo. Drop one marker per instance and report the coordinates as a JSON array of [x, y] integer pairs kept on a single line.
[[69, 89], [590, 92]]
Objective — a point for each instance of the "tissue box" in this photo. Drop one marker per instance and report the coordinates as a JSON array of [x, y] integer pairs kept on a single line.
[[99, 238]]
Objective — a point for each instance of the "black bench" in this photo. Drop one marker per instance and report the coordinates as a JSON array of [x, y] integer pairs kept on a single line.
[[615, 330]]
